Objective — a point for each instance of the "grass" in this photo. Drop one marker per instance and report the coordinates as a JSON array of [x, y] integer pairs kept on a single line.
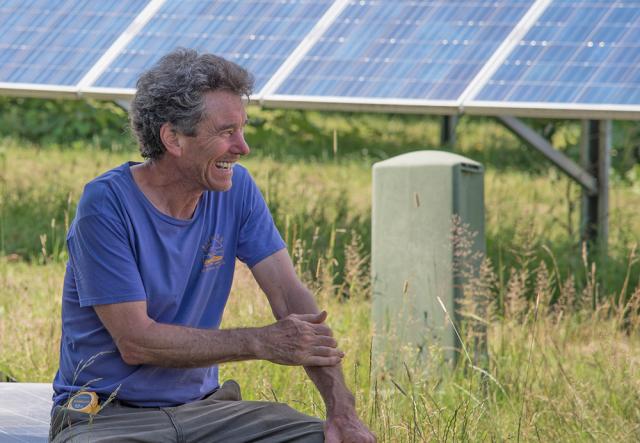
[[562, 330], [320, 203], [557, 373]]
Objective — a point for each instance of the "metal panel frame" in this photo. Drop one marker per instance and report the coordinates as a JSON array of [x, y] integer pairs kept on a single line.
[[38, 90], [553, 110], [102, 93], [360, 104], [126, 94]]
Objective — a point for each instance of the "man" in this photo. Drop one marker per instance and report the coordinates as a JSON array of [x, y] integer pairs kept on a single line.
[[151, 256]]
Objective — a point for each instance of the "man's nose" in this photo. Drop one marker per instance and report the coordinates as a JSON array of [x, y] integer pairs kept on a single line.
[[240, 146]]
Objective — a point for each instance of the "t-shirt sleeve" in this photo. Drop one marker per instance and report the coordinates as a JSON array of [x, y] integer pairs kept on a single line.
[[258, 238], [104, 266]]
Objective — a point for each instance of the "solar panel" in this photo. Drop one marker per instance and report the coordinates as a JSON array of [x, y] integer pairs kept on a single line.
[[25, 410], [55, 42], [257, 34], [427, 50], [578, 52], [558, 58]]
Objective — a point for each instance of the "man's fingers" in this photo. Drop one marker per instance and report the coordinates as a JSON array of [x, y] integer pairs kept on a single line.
[[322, 329], [324, 356], [322, 361], [320, 318], [326, 351], [312, 318], [302, 339], [326, 341]]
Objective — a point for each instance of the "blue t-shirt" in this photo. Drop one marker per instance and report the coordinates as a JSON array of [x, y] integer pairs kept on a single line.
[[121, 249]]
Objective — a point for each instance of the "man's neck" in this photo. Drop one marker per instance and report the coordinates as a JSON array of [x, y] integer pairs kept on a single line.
[[165, 189]]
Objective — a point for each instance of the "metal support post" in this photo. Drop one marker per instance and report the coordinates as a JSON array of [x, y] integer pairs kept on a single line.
[[448, 130], [584, 178], [595, 155]]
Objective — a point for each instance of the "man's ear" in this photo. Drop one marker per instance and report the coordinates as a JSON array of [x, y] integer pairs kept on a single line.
[[170, 140]]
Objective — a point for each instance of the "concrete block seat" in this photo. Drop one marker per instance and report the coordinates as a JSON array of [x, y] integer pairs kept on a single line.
[[25, 410]]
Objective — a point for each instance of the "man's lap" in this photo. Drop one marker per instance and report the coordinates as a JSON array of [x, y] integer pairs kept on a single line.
[[223, 417]]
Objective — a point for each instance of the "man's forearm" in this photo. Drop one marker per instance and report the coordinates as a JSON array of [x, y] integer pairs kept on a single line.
[[183, 347], [330, 383], [293, 340]]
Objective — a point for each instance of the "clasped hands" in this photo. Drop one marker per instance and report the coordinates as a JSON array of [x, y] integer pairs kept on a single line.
[[300, 339]]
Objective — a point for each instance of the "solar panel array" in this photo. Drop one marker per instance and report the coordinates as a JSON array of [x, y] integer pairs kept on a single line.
[[580, 51], [404, 49], [424, 53], [25, 412], [256, 34], [56, 42]]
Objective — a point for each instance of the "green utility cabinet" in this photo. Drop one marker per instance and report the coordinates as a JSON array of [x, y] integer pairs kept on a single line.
[[416, 197]]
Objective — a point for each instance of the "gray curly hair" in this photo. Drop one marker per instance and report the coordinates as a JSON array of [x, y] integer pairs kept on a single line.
[[173, 91]]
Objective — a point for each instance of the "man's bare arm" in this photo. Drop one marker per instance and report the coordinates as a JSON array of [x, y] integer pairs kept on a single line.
[[294, 340], [287, 295]]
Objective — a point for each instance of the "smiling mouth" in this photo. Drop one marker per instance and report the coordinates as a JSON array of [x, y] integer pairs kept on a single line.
[[224, 165]]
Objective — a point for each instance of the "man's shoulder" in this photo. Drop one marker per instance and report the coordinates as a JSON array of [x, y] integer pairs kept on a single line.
[[118, 173], [102, 190]]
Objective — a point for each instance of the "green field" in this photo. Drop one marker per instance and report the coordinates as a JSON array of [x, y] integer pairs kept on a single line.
[[559, 370]]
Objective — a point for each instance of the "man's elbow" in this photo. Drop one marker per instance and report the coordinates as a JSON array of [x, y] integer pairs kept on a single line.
[[130, 328], [131, 352], [134, 346]]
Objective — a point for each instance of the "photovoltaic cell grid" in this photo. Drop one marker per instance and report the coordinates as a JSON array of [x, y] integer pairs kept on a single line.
[[25, 410], [404, 49], [56, 42], [579, 51], [257, 34]]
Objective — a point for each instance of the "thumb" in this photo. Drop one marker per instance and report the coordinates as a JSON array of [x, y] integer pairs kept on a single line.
[[313, 318]]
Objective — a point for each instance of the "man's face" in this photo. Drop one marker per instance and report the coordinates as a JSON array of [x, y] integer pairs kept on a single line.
[[209, 156]]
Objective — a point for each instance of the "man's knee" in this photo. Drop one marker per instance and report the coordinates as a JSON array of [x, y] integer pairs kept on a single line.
[[294, 425]]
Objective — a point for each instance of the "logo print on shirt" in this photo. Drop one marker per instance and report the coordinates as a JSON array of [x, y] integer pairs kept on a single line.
[[213, 253]]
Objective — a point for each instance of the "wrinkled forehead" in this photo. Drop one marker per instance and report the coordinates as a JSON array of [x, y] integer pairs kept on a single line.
[[224, 107]]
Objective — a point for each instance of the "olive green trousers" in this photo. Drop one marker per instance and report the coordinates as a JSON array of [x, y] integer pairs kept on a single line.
[[221, 417]]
